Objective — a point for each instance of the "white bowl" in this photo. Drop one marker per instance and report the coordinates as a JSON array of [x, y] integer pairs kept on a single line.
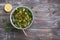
[[12, 13]]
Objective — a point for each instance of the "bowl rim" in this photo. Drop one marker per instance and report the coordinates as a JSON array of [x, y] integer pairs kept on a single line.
[[12, 13]]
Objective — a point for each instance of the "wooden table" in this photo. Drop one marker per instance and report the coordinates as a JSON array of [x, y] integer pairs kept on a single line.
[[46, 25]]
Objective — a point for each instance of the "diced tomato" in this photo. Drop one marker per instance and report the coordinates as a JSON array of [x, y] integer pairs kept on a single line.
[[21, 19], [20, 13]]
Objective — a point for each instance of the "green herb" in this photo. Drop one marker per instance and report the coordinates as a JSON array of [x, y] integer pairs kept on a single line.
[[7, 27], [10, 28], [3, 20]]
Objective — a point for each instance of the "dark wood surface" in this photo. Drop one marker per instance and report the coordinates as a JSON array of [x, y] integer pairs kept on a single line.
[[46, 25]]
